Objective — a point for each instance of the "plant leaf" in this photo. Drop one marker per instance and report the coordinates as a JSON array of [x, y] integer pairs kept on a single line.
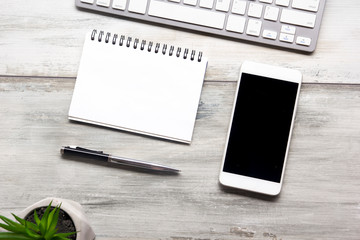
[[50, 234], [12, 226], [13, 236], [31, 233], [20, 220], [9, 221], [59, 238], [44, 220], [13, 229], [29, 224], [49, 220], [36, 218], [54, 220], [65, 234]]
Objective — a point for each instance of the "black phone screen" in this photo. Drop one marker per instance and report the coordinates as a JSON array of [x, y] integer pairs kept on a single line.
[[260, 129]]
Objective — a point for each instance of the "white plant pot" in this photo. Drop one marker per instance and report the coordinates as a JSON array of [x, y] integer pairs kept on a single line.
[[73, 209]]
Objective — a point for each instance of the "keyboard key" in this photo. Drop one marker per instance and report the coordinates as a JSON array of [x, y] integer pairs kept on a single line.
[[298, 18], [207, 3], [282, 2], [288, 29], [187, 14], [190, 2], [222, 5], [271, 13], [88, 1], [138, 6], [303, 41], [255, 10], [104, 3], [284, 37], [266, 1], [119, 4], [309, 5], [269, 34], [236, 24], [254, 27], [239, 7]]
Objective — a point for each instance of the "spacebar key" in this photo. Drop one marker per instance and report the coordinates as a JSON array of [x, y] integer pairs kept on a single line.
[[186, 14]]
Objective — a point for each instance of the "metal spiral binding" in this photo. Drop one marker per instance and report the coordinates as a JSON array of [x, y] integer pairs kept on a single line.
[[164, 49], [107, 37], [121, 42], [192, 55], [143, 44], [157, 46], [136, 43], [128, 42], [150, 46], [171, 50], [178, 52], [186, 53], [114, 39]]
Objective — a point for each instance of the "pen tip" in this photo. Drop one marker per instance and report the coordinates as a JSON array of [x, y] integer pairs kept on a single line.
[[176, 171]]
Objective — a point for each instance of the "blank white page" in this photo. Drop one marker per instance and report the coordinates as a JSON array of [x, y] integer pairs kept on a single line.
[[136, 90]]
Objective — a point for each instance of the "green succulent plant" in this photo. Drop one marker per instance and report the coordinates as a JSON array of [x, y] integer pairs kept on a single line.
[[43, 229]]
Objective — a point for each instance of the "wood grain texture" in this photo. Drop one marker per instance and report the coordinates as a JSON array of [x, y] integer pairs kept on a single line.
[[45, 37], [320, 198]]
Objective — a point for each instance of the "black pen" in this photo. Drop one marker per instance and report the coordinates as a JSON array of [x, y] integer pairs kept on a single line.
[[100, 155]]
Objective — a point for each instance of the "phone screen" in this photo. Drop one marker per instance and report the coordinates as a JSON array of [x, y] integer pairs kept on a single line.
[[260, 129]]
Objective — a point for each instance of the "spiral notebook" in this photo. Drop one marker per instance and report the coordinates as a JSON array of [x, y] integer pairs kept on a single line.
[[138, 86]]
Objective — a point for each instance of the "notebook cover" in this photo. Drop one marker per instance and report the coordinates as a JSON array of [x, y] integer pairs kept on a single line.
[[130, 88]]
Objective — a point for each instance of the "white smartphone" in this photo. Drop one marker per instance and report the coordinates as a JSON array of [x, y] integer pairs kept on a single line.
[[260, 128]]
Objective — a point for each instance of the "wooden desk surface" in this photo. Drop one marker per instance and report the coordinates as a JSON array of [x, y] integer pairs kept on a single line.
[[40, 49]]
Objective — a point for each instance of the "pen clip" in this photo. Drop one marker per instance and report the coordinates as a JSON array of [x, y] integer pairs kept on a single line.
[[87, 150]]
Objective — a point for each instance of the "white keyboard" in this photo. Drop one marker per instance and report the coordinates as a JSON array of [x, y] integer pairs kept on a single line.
[[292, 24]]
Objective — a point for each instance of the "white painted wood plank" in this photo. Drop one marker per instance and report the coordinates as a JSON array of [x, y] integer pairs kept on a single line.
[[320, 198], [45, 37]]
